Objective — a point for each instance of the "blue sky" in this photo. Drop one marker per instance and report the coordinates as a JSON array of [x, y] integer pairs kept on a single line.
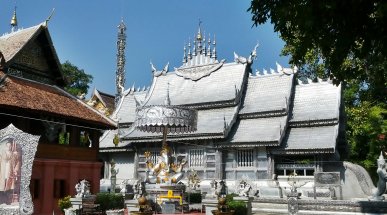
[[85, 33]]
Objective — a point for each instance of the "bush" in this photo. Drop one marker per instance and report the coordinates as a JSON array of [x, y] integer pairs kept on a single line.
[[193, 198], [229, 197], [239, 207], [110, 201], [64, 203]]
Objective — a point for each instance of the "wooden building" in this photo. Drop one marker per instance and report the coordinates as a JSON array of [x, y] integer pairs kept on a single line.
[[33, 99]]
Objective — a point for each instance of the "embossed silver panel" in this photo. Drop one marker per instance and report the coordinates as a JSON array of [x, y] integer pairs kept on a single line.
[[326, 178], [157, 118], [17, 146]]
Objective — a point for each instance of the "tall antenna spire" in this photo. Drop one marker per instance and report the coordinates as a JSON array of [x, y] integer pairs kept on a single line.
[[120, 73], [14, 21]]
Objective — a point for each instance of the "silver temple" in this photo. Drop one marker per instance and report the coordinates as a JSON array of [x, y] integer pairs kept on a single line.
[[251, 126]]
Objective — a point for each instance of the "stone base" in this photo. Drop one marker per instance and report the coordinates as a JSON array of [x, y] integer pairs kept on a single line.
[[311, 206], [132, 205], [270, 192], [210, 205]]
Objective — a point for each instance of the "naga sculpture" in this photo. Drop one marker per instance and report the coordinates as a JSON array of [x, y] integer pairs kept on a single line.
[[377, 193]]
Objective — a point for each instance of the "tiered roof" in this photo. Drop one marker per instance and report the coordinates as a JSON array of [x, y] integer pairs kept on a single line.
[[239, 109], [34, 85]]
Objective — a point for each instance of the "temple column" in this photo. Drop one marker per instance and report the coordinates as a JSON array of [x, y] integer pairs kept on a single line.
[[219, 164], [135, 163], [270, 166]]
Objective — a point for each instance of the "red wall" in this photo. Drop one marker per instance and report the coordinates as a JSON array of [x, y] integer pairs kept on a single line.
[[46, 171]]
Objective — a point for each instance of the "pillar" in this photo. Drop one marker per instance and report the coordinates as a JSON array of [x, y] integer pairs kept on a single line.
[[219, 164], [135, 163]]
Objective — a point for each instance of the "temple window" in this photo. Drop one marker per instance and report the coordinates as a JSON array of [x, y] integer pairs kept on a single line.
[[245, 158], [196, 157], [59, 188]]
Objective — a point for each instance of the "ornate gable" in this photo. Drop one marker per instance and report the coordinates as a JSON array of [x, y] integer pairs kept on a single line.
[[31, 55]]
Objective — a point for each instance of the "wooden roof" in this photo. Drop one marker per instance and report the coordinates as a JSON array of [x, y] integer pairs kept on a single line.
[[26, 95]]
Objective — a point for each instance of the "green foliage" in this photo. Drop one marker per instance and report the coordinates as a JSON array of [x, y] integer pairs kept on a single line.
[[63, 138], [229, 197], [64, 203], [239, 207], [193, 197], [110, 201], [350, 45], [77, 81], [365, 132]]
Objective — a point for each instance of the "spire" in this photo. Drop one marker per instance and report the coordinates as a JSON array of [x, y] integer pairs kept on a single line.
[[120, 72], [14, 21], [203, 50], [199, 39], [185, 55], [214, 50]]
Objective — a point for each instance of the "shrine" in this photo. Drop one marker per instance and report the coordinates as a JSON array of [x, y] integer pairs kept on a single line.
[[256, 126]]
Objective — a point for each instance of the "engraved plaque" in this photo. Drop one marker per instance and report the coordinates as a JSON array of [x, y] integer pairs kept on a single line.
[[17, 152], [326, 178]]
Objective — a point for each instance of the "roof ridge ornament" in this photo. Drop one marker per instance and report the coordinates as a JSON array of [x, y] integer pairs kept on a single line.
[[249, 60], [201, 53], [158, 73], [14, 21], [49, 17]]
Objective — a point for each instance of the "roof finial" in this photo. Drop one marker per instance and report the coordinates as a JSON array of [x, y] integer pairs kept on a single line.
[[209, 45], [189, 48], [14, 21], [214, 50], [49, 17], [199, 39], [185, 55], [199, 36]]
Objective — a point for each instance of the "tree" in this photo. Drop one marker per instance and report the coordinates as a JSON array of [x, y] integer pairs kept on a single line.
[[347, 41], [77, 81], [341, 31]]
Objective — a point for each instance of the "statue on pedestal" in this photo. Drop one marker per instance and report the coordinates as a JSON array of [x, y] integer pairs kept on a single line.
[[82, 189], [377, 193], [113, 176], [244, 189], [164, 170]]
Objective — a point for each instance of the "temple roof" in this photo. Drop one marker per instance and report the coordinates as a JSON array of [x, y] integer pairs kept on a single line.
[[311, 140], [125, 112], [211, 123], [267, 93], [268, 131], [199, 93], [32, 48], [26, 95], [316, 101], [237, 109], [12, 43]]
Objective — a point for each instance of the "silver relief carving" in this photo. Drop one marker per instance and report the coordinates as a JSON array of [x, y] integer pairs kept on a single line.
[[155, 118], [23, 144], [197, 72]]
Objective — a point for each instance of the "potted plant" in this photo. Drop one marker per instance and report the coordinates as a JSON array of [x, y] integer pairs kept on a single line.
[[111, 203], [64, 203]]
